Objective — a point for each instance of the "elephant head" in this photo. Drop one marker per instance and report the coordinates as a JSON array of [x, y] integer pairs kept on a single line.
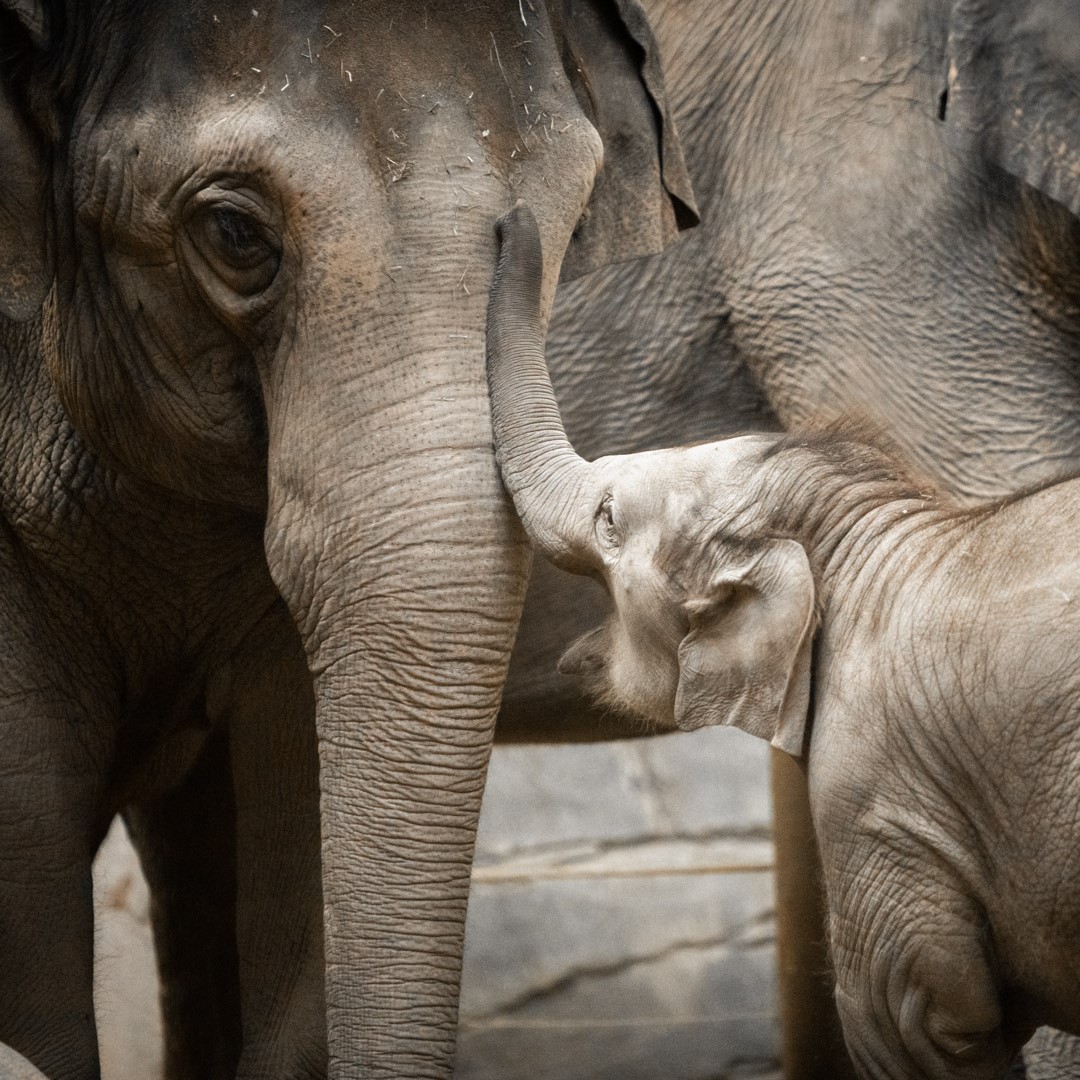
[[251, 244], [638, 522], [765, 581]]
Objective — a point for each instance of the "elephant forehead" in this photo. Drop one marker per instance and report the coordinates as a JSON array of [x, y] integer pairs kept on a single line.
[[381, 66], [674, 488]]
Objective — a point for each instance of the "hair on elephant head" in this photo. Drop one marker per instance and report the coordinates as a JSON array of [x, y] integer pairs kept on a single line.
[[939, 644], [243, 257]]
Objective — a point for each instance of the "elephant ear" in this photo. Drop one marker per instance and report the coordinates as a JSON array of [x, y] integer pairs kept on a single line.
[[642, 196], [25, 271], [747, 657], [1014, 82]]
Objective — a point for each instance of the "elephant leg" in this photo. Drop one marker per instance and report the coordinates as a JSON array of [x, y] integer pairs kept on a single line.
[[46, 894], [271, 716], [186, 844], [811, 1037], [55, 743], [812, 1041]]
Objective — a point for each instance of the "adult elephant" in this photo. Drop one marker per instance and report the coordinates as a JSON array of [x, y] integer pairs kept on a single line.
[[244, 255], [890, 196]]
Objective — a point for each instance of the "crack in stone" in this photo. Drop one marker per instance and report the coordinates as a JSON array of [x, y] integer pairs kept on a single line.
[[588, 849], [743, 932], [643, 776], [749, 1069]]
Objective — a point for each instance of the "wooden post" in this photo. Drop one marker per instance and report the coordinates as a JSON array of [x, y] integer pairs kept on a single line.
[[812, 1044]]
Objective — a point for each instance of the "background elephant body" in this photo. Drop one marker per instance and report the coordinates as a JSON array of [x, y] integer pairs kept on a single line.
[[253, 532]]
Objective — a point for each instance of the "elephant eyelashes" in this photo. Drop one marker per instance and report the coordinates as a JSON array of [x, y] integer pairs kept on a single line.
[[238, 248], [239, 237], [605, 524]]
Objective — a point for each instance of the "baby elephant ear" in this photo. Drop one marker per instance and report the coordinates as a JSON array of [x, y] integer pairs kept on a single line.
[[746, 660]]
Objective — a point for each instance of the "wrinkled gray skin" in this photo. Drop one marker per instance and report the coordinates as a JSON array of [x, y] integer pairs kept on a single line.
[[246, 483], [941, 645], [858, 254]]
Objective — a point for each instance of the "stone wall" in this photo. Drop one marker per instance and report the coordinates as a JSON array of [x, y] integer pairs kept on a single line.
[[620, 925], [125, 978]]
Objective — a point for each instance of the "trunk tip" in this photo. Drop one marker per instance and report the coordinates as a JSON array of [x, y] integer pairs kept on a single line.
[[518, 228], [514, 217]]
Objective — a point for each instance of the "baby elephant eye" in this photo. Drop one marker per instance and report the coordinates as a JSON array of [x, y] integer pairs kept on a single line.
[[605, 523]]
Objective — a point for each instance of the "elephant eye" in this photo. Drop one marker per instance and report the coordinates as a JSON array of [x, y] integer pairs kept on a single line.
[[238, 238], [605, 523], [237, 246]]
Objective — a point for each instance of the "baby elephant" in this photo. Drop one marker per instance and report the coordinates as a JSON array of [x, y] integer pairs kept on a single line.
[[922, 659]]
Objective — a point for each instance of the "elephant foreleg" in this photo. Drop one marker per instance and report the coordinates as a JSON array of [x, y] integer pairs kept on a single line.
[[46, 928], [271, 717], [50, 782], [812, 1042], [186, 844]]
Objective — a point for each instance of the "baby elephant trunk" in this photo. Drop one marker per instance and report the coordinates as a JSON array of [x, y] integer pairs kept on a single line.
[[555, 491]]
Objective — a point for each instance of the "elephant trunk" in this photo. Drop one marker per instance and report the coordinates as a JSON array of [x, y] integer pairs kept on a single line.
[[390, 538], [548, 481]]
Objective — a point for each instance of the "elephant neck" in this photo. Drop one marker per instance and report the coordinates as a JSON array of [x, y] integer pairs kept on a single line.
[[854, 508]]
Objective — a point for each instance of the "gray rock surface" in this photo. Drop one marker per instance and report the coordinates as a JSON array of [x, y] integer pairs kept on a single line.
[[125, 975], [1051, 1056], [621, 919], [620, 926]]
